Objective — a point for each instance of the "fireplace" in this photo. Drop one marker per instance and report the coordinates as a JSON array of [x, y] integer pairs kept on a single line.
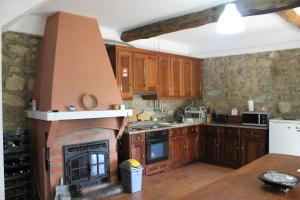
[[81, 145], [86, 164]]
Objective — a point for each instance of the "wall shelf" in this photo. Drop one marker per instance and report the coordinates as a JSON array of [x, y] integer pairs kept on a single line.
[[74, 115]]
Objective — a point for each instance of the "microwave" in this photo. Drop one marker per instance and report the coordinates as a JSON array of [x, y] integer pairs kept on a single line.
[[255, 118]]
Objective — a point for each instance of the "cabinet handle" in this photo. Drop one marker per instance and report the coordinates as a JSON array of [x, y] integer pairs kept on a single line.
[[143, 155], [158, 167], [237, 148], [192, 130], [229, 131], [242, 149], [177, 131], [138, 138]]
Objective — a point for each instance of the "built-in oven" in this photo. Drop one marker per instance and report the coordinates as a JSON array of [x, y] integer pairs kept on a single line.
[[157, 146]]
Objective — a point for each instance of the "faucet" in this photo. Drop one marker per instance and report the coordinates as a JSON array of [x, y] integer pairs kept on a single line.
[[158, 107]]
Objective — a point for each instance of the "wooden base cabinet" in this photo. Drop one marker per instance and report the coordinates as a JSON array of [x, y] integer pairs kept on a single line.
[[132, 147], [211, 144], [233, 147], [184, 146], [229, 147], [193, 144], [253, 145]]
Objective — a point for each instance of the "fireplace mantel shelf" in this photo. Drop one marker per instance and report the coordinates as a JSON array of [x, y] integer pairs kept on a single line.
[[58, 116]]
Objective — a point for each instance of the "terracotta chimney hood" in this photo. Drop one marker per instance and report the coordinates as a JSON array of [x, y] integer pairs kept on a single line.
[[74, 62]]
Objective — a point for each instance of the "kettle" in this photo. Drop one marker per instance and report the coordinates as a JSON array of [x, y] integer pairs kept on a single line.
[[180, 118]]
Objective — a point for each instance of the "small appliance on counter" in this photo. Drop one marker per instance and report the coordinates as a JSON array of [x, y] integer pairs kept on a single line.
[[221, 119], [179, 115], [197, 114], [255, 118]]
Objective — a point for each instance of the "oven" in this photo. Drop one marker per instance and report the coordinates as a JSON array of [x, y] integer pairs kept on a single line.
[[157, 146]]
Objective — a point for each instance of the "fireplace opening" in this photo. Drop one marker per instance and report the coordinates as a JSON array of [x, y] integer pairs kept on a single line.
[[87, 164]]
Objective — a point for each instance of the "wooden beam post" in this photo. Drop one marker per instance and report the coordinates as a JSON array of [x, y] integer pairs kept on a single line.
[[290, 16], [210, 15]]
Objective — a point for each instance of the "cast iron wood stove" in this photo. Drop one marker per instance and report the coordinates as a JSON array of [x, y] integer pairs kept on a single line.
[[87, 164]]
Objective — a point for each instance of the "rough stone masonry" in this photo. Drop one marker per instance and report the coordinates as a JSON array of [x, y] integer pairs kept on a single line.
[[20, 59], [268, 78]]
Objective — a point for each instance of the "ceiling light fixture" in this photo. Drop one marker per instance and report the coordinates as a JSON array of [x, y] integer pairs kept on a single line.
[[230, 21]]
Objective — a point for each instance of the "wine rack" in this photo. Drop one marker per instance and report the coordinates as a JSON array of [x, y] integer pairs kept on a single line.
[[17, 166]]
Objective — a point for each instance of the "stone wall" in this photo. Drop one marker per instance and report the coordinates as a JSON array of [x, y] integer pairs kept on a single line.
[[170, 106], [19, 60], [268, 78]]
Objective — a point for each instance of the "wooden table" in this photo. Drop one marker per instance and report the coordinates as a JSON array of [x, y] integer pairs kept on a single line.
[[243, 184]]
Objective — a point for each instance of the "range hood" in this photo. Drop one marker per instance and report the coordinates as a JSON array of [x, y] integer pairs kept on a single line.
[[74, 62]]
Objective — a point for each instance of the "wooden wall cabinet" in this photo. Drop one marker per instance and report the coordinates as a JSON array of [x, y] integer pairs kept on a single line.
[[187, 79], [233, 147], [143, 71], [175, 77], [164, 82], [197, 80], [121, 60]]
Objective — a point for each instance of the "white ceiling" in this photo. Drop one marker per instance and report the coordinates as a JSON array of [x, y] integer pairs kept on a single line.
[[263, 33]]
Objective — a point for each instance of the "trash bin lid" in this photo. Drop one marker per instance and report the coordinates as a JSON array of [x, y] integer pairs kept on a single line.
[[134, 163], [130, 164]]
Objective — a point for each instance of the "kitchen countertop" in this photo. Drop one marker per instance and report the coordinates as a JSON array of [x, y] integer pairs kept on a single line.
[[193, 124], [243, 184], [281, 120]]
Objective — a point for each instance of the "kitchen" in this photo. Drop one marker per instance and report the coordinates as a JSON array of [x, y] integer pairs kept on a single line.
[[161, 83]]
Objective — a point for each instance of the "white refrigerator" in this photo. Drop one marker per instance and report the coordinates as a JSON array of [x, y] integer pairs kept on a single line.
[[284, 137]]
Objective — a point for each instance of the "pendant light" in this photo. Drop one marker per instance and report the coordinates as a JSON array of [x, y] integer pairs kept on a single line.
[[230, 21]]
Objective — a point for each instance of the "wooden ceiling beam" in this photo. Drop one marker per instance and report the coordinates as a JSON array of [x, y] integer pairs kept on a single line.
[[290, 16], [210, 15]]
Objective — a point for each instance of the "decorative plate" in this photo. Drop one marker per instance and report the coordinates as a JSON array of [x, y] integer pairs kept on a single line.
[[89, 101]]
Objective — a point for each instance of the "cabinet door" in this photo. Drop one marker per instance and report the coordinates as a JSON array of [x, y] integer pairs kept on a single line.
[[138, 152], [164, 76], [140, 72], [124, 73], [176, 82], [177, 151], [192, 151], [211, 145], [186, 78], [152, 73], [252, 145], [197, 79], [229, 147]]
